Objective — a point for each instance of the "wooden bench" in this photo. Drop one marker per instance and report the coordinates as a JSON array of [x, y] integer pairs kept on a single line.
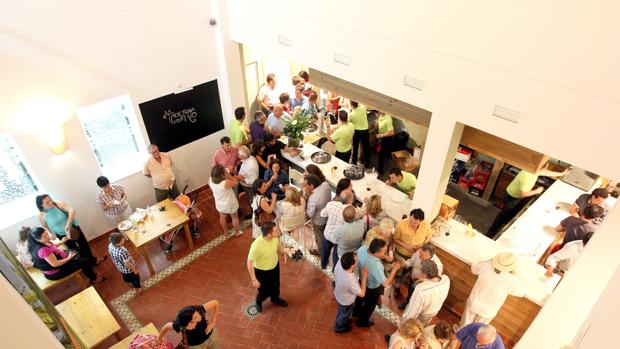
[[45, 283], [124, 344], [89, 317]]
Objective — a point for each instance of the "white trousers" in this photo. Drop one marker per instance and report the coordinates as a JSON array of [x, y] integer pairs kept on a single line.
[[469, 316]]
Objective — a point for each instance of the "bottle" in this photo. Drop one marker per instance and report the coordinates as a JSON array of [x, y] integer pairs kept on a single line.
[[470, 230]]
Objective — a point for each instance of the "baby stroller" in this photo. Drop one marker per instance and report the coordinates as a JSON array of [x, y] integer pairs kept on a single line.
[[186, 204]]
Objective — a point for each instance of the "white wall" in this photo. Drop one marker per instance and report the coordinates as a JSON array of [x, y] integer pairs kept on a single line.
[[555, 62], [79, 53]]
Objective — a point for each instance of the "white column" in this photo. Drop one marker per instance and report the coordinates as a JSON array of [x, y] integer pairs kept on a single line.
[[441, 144]]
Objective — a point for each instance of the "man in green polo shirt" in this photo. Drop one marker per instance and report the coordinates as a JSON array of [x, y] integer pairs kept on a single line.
[[343, 136], [263, 265], [359, 119], [521, 188], [385, 134], [404, 181], [238, 132]]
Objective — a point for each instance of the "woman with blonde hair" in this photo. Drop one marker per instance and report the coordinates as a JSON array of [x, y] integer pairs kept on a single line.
[[383, 231], [293, 205], [374, 212], [408, 336]]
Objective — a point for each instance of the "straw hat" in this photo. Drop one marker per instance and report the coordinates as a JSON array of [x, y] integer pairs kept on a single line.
[[505, 261]]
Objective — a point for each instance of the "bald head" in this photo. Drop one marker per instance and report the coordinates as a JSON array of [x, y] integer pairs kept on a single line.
[[277, 110], [486, 335]]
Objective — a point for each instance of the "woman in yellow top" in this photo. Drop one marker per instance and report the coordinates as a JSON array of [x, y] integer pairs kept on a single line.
[[385, 135]]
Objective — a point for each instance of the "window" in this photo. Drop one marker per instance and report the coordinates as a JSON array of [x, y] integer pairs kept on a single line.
[[112, 131], [18, 187]]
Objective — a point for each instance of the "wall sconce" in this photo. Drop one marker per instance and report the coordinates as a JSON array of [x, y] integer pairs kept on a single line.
[[55, 139]]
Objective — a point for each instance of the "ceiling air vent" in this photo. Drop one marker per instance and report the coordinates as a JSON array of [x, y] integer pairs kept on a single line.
[[414, 83], [286, 41], [342, 58], [507, 114]]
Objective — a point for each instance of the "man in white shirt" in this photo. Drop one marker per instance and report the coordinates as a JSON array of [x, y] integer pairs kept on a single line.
[[429, 294], [425, 252], [565, 258], [248, 171], [496, 280], [275, 122], [333, 212], [159, 168], [267, 95]]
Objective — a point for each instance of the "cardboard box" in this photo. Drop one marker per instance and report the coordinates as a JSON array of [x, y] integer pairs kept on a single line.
[[451, 204], [405, 161]]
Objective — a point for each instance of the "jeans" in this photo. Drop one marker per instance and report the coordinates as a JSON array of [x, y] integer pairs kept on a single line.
[[269, 284], [365, 306], [364, 137], [71, 267], [326, 248], [81, 246], [162, 194], [342, 316]]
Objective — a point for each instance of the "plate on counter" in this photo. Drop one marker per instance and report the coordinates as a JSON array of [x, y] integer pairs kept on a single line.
[[312, 128], [354, 172], [124, 225], [398, 198], [321, 157]]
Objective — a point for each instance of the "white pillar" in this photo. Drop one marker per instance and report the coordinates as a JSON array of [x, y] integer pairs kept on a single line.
[[441, 144]]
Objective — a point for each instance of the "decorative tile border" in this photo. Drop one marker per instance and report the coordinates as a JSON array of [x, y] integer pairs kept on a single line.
[[133, 324]]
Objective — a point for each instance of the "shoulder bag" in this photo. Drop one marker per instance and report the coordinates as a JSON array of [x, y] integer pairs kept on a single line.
[[260, 216]]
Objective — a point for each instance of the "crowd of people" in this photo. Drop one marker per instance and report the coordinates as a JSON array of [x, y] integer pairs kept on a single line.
[[368, 251]]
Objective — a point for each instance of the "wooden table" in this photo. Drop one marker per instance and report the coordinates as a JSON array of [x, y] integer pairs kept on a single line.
[[156, 225], [89, 317], [124, 344]]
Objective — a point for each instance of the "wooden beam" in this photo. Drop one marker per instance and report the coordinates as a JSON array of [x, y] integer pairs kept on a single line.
[[370, 98], [497, 169], [501, 149]]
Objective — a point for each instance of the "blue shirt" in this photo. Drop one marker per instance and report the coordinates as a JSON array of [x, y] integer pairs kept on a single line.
[[257, 131], [275, 186], [467, 336], [376, 276], [297, 102]]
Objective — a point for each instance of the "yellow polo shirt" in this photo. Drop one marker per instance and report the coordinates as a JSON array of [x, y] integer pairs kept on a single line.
[[523, 181], [408, 183], [359, 118], [417, 238], [237, 132], [263, 253], [343, 137]]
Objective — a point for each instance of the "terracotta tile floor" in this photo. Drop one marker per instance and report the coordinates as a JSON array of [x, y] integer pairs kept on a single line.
[[221, 274]]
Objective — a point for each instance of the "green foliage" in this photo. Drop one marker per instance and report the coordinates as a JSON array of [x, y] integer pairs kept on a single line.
[[295, 125]]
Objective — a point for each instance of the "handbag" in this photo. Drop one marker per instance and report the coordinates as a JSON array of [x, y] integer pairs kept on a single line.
[[148, 341], [74, 232], [261, 216]]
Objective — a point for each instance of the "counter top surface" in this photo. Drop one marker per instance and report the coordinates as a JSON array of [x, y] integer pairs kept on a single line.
[[479, 248]]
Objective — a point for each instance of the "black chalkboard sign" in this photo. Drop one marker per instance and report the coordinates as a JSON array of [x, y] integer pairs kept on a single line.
[[177, 119]]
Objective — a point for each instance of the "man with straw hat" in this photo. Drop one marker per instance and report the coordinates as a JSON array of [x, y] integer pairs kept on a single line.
[[496, 280]]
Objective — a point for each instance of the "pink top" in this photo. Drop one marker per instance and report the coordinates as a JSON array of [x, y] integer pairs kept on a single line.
[[225, 158], [46, 251]]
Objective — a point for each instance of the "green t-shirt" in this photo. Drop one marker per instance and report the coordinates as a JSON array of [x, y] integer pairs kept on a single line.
[[343, 137], [408, 183], [385, 123], [237, 133], [358, 118], [524, 181], [264, 253]]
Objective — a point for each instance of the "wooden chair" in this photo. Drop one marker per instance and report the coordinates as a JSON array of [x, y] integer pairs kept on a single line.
[[45, 283], [124, 344]]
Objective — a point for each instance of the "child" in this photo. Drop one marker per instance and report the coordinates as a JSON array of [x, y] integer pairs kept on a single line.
[[23, 256], [123, 261]]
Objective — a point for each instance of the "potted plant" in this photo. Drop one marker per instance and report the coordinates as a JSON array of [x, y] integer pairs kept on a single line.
[[293, 128]]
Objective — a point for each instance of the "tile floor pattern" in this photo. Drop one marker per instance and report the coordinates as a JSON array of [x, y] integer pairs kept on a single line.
[[216, 270]]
